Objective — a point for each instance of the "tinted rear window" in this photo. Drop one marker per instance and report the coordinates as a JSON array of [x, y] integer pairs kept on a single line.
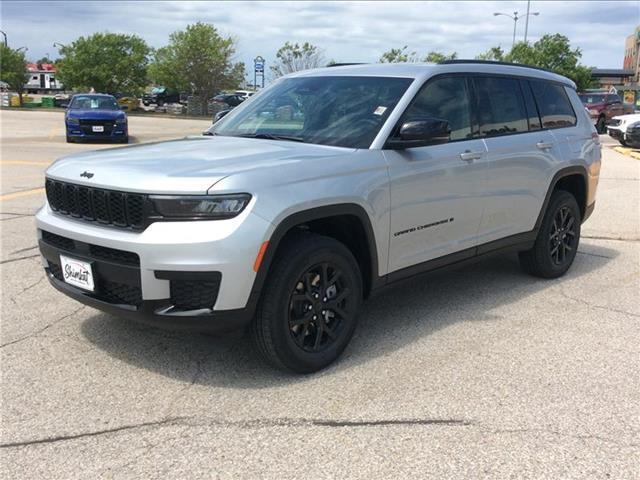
[[553, 103], [501, 110]]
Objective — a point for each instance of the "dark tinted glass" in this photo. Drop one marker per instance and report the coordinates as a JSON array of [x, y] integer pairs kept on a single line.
[[553, 103], [501, 109], [446, 98], [614, 99], [530, 105]]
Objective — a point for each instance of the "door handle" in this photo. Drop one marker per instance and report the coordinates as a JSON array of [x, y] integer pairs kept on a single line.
[[469, 156], [544, 145]]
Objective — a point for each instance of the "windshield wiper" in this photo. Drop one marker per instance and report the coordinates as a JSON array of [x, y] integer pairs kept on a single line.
[[270, 136]]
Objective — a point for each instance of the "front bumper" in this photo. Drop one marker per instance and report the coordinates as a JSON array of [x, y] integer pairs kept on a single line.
[[84, 132], [145, 276], [615, 133]]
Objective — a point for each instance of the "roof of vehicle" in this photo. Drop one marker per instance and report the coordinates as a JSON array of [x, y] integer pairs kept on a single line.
[[93, 95], [425, 70]]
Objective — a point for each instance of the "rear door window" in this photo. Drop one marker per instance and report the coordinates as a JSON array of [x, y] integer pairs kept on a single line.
[[553, 103], [501, 109], [444, 98]]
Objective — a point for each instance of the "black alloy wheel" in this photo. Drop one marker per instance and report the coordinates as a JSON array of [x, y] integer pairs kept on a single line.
[[562, 239], [320, 307]]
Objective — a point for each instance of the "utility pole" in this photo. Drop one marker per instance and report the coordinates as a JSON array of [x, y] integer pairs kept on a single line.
[[5, 38], [526, 23]]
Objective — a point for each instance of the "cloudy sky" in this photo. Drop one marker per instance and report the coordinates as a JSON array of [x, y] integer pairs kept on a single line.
[[346, 31]]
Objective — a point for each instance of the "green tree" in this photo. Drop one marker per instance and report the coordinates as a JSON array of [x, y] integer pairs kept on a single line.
[[552, 52], [293, 57], [13, 69], [494, 54], [197, 60], [437, 57], [398, 55], [107, 62]]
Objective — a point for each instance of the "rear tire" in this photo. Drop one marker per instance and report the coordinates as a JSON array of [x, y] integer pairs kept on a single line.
[[557, 242], [601, 125], [308, 310]]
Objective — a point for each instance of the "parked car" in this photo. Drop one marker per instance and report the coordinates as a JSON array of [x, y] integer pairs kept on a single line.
[[286, 222], [626, 129], [230, 100], [159, 96], [127, 102], [94, 116], [603, 107]]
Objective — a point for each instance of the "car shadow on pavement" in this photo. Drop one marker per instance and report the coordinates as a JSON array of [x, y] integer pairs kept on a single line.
[[397, 317]]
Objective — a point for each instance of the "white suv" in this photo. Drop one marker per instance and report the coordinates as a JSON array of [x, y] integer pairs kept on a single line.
[[326, 187]]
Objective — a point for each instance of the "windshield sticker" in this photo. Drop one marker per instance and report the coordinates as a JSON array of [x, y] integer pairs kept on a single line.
[[380, 111]]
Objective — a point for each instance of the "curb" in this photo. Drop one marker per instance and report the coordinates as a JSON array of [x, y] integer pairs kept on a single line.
[[629, 152]]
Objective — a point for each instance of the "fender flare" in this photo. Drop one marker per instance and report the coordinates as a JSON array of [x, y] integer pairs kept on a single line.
[[308, 215], [560, 174]]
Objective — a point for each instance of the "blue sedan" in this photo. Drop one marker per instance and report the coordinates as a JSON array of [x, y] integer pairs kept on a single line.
[[95, 117]]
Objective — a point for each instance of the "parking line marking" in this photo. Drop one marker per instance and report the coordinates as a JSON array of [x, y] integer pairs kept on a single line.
[[23, 193], [22, 162]]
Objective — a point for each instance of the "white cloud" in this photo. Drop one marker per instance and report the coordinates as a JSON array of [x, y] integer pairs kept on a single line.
[[346, 31]]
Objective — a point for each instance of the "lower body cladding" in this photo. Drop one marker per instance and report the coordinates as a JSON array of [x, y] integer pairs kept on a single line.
[[179, 275]]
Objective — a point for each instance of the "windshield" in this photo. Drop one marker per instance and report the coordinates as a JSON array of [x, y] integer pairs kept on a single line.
[[592, 98], [157, 90], [88, 102], [338, 111]]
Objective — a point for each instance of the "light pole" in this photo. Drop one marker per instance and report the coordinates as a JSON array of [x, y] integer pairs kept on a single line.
[[526, 23], [5, 37], [22, 48], [58, 45], [515, 19]]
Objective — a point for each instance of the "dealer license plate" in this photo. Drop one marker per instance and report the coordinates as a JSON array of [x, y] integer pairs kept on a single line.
[[77, 273]]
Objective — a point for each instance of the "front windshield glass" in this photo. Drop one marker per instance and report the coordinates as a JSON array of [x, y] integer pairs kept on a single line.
[[88, 102], [592, 98], [157, 90], [338, 111]]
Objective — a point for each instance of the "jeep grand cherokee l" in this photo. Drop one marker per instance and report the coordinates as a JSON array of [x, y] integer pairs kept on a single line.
[[285, 219]]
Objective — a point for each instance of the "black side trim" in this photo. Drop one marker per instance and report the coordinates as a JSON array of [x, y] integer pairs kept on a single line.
[[519, 242], [565, 172], [588, 211], [307, 216]]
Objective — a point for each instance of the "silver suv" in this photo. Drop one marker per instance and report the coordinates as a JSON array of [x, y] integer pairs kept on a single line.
[[319, 191]]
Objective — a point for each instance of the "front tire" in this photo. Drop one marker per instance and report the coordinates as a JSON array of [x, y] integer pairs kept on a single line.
[[308, 310], [601, 125], [557, 242]]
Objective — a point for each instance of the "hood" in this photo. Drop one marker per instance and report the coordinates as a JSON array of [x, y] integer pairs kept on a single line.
[[95, 114], [188, 166], [630, 118], [595, 106]]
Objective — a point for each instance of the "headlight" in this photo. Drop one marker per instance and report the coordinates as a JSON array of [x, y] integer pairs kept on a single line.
[[633, 126], [73, 121], [121, 121], [205, 207], [594, 113]]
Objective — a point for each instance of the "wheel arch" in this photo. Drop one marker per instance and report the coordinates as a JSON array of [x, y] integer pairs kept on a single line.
[[311, 219], [572, 179]]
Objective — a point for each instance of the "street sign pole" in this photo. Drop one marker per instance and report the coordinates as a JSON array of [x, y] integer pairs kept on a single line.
[[258, 69]]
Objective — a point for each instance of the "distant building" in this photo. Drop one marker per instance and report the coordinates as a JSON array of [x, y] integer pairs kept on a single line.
[[611, 77], [632, 54], [42, 78]]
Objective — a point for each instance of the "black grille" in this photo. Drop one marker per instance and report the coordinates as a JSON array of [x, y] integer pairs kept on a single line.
[[113, 255], [194, 295], [120, 293], [93, 251], [87, 126], [58, 241], [119, 209]]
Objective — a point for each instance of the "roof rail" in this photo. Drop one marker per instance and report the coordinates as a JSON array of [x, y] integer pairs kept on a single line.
[[494, 62], [345, 64]]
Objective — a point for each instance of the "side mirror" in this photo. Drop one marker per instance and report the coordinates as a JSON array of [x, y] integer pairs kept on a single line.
[[421, 132], [220, 114]]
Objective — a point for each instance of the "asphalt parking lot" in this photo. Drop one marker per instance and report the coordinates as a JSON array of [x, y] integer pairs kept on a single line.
[[481, 372]]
